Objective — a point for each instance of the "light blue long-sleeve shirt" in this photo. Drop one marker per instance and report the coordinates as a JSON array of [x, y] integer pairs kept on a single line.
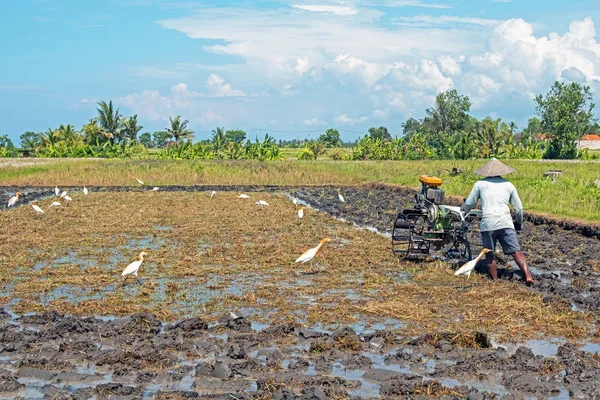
[[495, 193]]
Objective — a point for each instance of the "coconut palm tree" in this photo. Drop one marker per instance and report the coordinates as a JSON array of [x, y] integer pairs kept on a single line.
[[131, 127], [93, 133], [492, 135], [110, 120], [218, 139], [179, 129]]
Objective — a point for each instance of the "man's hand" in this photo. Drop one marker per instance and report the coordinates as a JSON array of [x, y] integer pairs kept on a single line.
[[518, 226]]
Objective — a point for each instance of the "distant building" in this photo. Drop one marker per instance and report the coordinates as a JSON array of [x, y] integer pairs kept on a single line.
[[591, 142]]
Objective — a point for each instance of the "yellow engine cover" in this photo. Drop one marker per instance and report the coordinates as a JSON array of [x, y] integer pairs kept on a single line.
[[430, 180]]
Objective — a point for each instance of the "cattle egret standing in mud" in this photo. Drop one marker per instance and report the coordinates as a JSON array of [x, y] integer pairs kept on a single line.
[[13, 200], [68, 198], [54, 204], [341, 197], [155, 189], [37, 209], [132, 269], [262, 203], [470, 266], [63, 194], [212, 194], [301, 213], [85, 191], [243, 196], [139, 181], [309, 254], [295, 201], [56, 190]]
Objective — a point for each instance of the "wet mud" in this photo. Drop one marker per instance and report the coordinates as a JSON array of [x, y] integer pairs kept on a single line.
[[564, 258], [54, 356]]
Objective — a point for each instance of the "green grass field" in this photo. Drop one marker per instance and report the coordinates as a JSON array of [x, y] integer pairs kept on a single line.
[[575, 194]]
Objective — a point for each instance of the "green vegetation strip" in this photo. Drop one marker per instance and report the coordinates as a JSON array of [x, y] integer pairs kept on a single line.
[[574, 194]]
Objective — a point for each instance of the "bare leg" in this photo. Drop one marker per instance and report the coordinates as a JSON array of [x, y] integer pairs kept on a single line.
[[522, 263], [491, 265], [125, 280]]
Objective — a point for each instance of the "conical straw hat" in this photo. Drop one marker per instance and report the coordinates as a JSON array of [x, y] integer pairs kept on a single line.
[[494, 168]]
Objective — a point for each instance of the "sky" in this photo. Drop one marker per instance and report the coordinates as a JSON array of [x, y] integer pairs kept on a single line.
[[291, 68]]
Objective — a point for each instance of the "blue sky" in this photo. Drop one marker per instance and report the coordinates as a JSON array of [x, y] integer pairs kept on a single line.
[[289, 67]]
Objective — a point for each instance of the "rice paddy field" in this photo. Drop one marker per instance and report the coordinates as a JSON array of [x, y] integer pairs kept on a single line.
[[224, 311]]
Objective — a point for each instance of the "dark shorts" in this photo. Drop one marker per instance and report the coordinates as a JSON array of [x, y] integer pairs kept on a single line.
[[507, 238]]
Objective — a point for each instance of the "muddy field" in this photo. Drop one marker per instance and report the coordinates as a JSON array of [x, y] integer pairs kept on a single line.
[[328, 339]]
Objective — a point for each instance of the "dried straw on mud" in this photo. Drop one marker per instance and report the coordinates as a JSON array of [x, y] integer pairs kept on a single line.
[[208, 256]]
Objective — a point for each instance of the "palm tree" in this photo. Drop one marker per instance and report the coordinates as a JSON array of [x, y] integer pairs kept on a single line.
[[67, 133], [93, 133], [109, 120], [492, 135], [179, 129], [131, 127], [218, 139]]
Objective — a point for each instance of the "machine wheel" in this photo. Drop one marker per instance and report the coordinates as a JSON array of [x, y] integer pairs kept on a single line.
[[407, 237], [401, 237], [460, 252]]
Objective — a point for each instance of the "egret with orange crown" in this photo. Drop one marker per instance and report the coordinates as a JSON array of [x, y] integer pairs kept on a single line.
[[309, 254], [13, 200], [470, 266], [301, 213], [133, 268]]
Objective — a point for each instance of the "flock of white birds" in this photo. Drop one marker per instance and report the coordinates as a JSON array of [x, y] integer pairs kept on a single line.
[[133, 268]]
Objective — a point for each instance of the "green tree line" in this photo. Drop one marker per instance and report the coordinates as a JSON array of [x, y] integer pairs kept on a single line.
[[447, 131]]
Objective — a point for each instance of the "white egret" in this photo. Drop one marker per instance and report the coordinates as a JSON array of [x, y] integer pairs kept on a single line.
[[341, 197], [64, 193], [54, 204], [309, 254], [85, 191], [68, 198], [139, 181], [295, 201], [56, 190], [155, 189], [37, 209], [470, 266], [13, 200], [212, 194], [243, 196], [262, 203], [301, 213], [132, 269]]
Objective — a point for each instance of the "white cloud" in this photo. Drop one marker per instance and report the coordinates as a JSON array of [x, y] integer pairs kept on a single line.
[[375, 70], [402, 3], [153, 105], [217, 87], [430, 20], [314, 122], [345, 119], [337, 10]]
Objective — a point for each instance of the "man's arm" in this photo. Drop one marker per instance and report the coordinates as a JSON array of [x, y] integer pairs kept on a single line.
[[517, 205], [472, 200]]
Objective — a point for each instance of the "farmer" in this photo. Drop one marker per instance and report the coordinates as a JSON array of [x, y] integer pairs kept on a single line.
[[496, 193]]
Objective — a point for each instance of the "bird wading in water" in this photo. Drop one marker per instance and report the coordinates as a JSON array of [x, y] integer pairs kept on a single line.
[[132, 269]]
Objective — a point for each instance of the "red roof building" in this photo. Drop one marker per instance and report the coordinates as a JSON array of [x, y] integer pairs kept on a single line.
[[590, 137]]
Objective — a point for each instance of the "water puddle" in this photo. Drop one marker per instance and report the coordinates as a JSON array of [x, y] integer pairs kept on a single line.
[[539, 347]]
